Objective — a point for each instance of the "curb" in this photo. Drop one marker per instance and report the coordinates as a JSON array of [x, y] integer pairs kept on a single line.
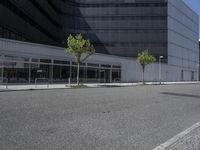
[[18, 90], [99, 86], [186, 140]]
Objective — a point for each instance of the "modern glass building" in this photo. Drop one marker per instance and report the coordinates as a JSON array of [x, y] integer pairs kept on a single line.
[[166, 28], [121, 28], [124, 28]]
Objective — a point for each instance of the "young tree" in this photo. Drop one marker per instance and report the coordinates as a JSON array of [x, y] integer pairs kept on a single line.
[[145, 58], [79, 47]]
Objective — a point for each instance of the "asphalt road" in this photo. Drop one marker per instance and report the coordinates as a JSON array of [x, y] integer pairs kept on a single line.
[[128, 118]]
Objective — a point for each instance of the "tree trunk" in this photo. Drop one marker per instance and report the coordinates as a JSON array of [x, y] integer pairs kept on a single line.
[[142, 75], [78, 70]]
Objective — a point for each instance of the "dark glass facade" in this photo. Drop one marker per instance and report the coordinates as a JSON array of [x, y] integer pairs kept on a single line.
[[17, 69], [121, 28]]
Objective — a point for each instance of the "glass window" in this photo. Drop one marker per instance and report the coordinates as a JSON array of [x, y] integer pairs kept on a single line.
[[82, 73], [61, 73], [9, 64], [16, 58], [45, 60], [74, 63], [12, 35], [16, 72], [7, 57], [114, 66], [35, 60], [93, 65], [41, 71], [92, 74], [73, 73], [82, 64], [105, 66], [1, 71], [1, 32], [61, 62], [116, 75], [6, 34], [105, 75]]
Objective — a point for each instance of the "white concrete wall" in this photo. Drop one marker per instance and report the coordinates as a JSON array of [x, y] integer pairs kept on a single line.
[[18, 48], [131, 70], [183, 51]]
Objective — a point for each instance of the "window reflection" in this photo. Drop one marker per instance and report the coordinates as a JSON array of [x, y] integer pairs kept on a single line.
[[41, 72], [16, 69], [82, 74], [92, 74], [116, 75], [16, 72], [61, 73]]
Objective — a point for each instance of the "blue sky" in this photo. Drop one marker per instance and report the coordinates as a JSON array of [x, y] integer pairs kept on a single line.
[[195, 5]]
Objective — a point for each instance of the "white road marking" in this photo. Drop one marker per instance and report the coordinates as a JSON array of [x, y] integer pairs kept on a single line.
[[177, 137]]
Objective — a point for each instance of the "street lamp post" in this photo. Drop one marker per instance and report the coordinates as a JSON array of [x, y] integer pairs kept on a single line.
[[160, 68], [197, 72]]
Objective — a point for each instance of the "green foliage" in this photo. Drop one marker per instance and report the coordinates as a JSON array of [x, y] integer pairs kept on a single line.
[[77, 46], [145, 58]]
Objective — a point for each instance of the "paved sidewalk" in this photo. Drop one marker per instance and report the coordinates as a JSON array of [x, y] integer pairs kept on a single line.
[[139, 83], [94, 85], [32, 87]]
